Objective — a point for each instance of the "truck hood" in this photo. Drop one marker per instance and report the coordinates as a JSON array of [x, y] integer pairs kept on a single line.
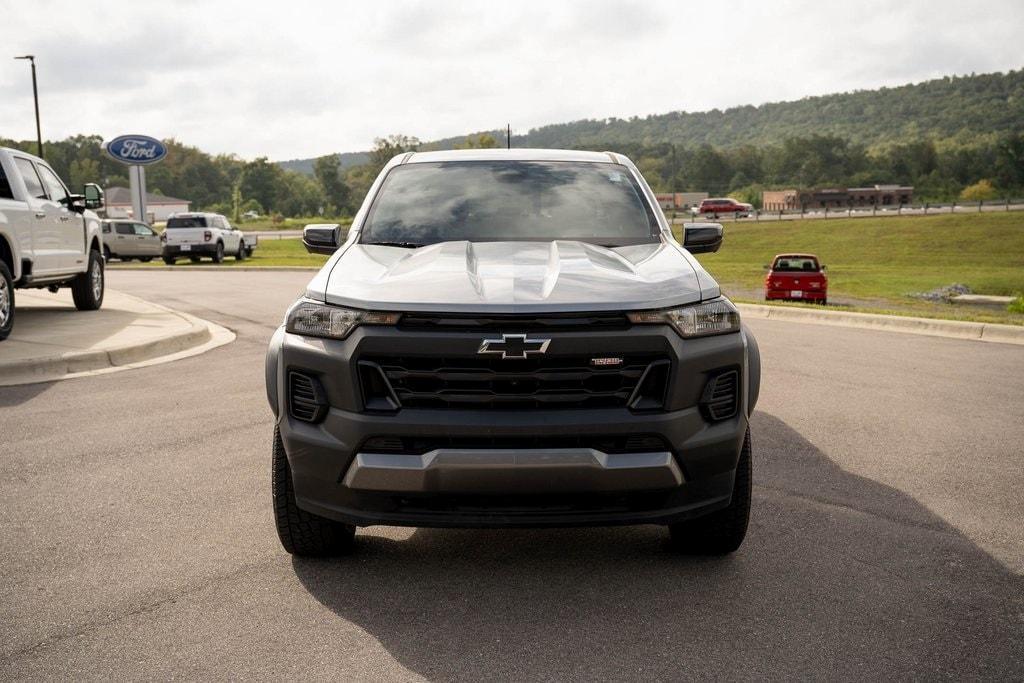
[[510, 277]]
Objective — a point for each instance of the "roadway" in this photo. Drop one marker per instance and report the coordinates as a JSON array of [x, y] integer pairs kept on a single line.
[[885, 540]]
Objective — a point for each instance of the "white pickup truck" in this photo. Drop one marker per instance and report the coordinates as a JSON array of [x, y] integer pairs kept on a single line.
[[48, 237], [195, 235]]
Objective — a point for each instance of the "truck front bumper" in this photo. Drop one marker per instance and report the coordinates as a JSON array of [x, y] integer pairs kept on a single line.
[[494, 467]]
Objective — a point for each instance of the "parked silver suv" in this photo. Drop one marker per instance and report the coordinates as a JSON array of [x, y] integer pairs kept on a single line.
[[126, 239]]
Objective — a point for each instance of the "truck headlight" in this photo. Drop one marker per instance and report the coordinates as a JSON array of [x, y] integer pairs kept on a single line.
[[717, 316], [335, 322]]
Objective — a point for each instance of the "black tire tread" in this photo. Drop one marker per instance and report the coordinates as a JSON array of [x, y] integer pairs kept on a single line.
[[722, 531], [81, 288], [301, 532], [5, 273]]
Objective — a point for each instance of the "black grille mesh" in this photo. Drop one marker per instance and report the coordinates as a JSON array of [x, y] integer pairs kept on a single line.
[[491, 382]]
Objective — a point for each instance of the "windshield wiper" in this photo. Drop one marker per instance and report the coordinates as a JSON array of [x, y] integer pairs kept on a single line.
[[404, 245]]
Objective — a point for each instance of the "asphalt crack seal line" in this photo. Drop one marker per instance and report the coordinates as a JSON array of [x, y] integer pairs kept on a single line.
[[200, 337]]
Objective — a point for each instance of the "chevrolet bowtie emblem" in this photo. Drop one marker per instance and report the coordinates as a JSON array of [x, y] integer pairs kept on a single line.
[[514, 346]]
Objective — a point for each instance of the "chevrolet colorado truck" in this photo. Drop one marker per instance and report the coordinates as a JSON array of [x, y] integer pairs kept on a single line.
[[511, 338], [48, 237]]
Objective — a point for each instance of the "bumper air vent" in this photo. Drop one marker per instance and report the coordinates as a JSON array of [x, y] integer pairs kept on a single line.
[[720, 400], [307, 400]]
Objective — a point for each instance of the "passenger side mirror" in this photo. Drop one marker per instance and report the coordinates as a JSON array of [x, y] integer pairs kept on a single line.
[[93, 194], [703, 238], [322, 238], [823, 267]]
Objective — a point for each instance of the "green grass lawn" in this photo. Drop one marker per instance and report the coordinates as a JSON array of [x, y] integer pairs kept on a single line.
[[286, 252], [873, 263], [877, 262]]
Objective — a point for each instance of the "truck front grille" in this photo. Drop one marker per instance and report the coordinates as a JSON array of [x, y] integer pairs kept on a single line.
[[486, 383]]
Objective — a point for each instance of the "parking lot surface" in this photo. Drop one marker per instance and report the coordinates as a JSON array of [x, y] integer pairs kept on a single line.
[[885, 539]]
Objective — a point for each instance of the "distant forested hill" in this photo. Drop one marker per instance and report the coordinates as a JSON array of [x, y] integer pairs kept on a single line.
[[952, 111], [960, 109]]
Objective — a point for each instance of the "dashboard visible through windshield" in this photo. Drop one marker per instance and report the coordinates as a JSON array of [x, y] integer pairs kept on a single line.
[[489, 201]]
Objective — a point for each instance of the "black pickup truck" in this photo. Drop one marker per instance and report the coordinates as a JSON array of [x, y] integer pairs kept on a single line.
[[511, 338]]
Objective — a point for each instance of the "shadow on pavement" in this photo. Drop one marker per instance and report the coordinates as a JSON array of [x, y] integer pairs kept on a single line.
[[840, 577]]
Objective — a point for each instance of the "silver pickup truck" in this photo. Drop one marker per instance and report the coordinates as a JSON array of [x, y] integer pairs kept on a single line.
[[512, 338], [48, 237]]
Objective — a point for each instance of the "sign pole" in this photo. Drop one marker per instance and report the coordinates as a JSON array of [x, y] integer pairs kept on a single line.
[[137, 181]]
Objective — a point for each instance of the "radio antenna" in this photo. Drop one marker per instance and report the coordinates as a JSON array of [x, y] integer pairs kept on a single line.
[[508, 135]]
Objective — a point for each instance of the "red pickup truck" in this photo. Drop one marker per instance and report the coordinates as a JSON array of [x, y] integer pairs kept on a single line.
[[796, 277]]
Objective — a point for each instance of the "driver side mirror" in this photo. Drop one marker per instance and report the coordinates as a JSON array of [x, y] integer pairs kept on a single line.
[[93, 195], [321, 238], [823, 267], [703, 238]]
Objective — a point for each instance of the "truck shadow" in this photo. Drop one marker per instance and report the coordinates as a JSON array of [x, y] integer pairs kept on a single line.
[[840, 577]]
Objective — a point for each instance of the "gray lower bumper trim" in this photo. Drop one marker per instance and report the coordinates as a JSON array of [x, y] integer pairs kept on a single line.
[[513, 471]]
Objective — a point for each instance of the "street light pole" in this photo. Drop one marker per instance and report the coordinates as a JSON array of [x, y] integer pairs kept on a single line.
[[35, 96]]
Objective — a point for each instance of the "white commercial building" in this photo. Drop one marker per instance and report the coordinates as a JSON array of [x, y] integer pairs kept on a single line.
[[158, 206]]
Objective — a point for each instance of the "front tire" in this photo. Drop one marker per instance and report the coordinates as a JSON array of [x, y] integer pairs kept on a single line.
[[87, 288], [722, 531], [303, 533], [106, 253], [218, 256], [6, 301]]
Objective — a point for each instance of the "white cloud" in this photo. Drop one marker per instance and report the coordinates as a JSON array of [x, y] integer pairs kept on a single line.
[[301, 79]]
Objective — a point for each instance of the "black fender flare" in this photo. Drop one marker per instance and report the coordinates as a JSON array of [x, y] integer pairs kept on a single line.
[[272, 370], [753, 368]]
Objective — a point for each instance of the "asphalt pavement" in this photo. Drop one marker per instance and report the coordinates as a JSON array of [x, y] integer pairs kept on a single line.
[[886, 538]]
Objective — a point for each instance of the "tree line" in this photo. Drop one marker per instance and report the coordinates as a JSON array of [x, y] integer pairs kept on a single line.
[[232, 186]]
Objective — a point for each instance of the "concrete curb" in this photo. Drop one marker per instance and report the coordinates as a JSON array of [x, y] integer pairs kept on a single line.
[[191, 268], [200, 336], [955, 329]]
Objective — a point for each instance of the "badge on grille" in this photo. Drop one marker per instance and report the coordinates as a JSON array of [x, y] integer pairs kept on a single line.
[[514, 346]]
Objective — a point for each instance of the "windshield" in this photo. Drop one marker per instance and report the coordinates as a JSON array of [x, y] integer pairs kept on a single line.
[[795, 264], [186, 222], [490, 201]]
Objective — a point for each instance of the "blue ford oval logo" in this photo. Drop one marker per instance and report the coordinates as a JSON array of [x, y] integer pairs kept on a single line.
[[136, 149]]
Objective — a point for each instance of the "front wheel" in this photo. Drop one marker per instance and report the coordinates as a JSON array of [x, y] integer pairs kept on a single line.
[[106, 253], [6, 301], [301, 532], [87, 289], [218, 256], [722, 531]]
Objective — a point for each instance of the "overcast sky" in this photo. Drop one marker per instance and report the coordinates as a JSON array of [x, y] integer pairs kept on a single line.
[[299, 79]]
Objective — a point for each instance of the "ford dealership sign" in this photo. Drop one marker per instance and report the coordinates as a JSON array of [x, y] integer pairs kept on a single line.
[[136, 149]]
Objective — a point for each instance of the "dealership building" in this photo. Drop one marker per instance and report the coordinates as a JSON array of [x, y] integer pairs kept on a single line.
[[836, 198], [679, 201], [118, 202]]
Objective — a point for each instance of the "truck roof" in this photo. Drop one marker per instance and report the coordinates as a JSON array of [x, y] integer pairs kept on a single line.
[[23, 153], [515, 154]]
